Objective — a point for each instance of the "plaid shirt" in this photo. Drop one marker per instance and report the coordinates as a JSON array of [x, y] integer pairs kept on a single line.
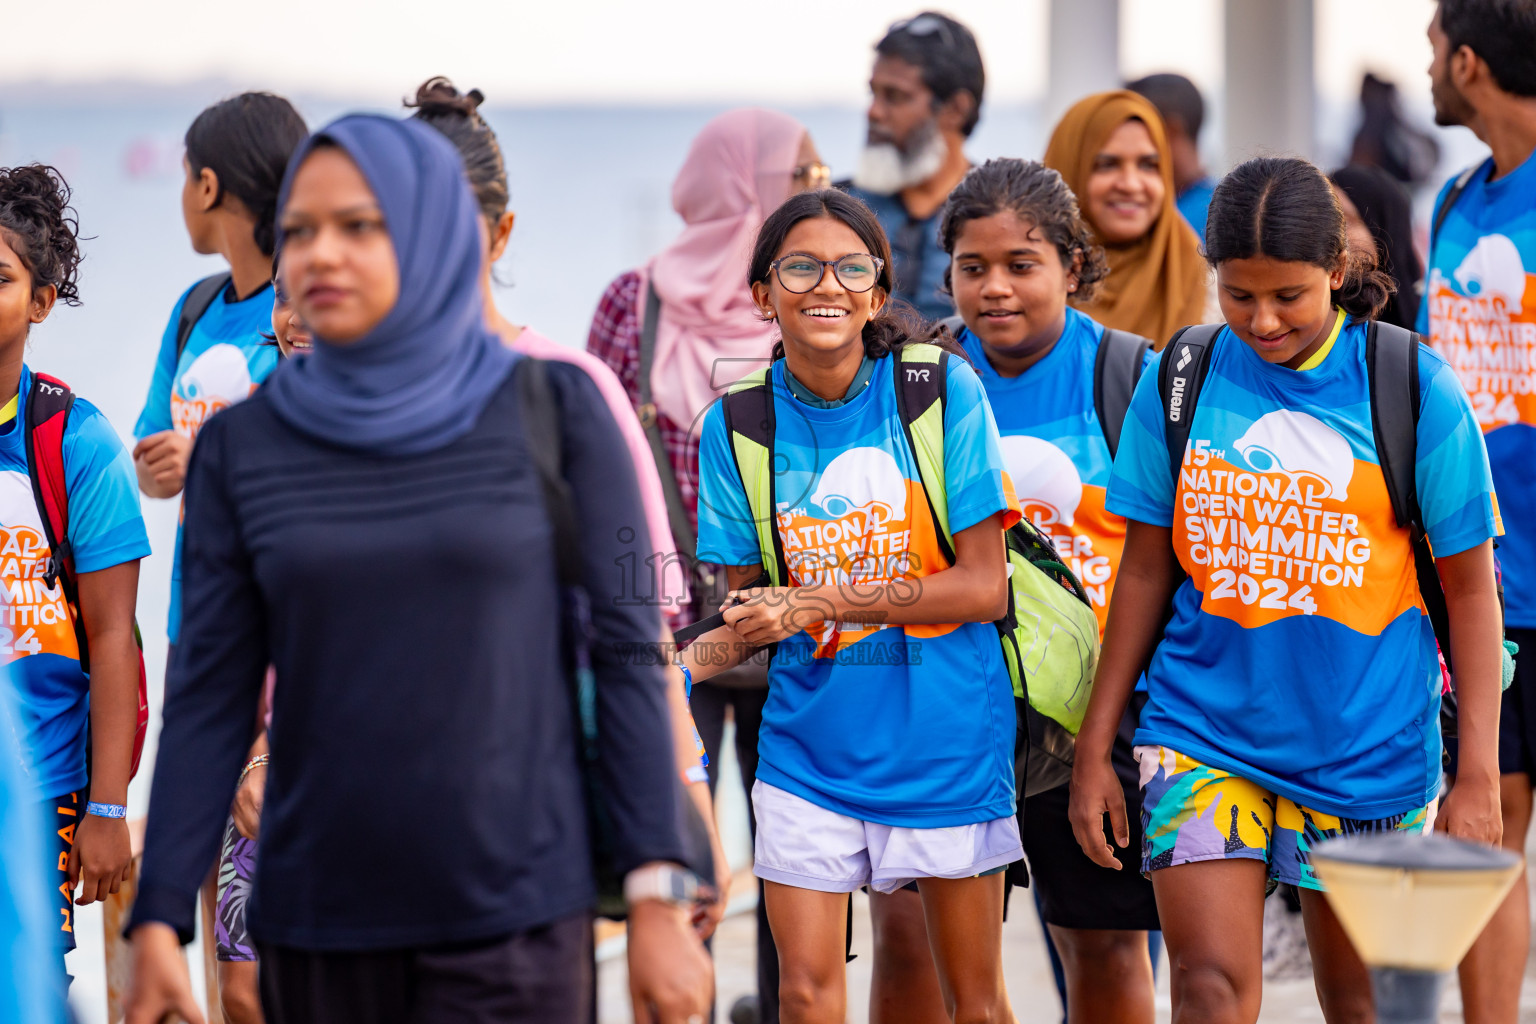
[[615, 339]]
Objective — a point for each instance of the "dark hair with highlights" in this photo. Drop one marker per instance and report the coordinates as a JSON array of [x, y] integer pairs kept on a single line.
[[896, 324], [1037, 194], [246, 141], [1502, 32], [1285, 209], [457, 116], [37, 221]]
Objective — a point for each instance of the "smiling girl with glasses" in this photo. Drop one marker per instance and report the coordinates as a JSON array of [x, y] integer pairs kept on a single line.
[[886, 750]]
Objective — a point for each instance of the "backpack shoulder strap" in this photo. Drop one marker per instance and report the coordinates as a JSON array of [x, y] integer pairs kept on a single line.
[[921, 378], [49, 401], [954, 325], [1180, 376], [541, 422], [683, 536], [1117, 368], [1392, 367], [749, 425], [1457, 188], [199, 299]]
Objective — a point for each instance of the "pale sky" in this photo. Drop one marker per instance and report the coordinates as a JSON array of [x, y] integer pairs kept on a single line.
[[529, 52]]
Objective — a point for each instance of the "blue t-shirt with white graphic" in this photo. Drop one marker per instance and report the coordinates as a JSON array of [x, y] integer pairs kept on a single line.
[[1299, 655], [1479, 312], [37, 637], [225, 358], [901, 725]]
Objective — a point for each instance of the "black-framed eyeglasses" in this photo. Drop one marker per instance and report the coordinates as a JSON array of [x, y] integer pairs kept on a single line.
[[799, 273], [924, 25]]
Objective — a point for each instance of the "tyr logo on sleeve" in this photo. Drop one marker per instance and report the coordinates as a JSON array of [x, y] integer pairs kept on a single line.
[[1284, 520]]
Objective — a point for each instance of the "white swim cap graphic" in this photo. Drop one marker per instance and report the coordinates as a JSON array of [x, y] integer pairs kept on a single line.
[[1046, 481], [1297, 444], [862, 479], [18, 507], [219, 374], [1493, 269]]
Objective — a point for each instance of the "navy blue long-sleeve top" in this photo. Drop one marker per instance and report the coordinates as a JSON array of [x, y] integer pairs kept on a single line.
[[424, 784]]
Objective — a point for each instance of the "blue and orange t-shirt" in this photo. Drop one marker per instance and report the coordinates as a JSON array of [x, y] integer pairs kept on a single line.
[[900, 725], [1479, 312], [1299, 655], [225, 358], [1054, 448], [37, 636]]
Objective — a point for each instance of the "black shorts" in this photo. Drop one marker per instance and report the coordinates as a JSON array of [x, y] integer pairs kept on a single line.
[[1073, 891], [1517, 714]]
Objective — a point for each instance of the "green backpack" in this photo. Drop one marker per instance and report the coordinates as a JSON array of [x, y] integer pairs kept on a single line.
[[1049, 636]]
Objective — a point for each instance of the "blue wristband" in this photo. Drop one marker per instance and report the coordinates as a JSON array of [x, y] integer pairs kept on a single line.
[[687, 682], [106, 810]]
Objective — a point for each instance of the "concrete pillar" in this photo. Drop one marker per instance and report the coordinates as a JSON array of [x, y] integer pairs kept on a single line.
[[1083, 55], [1271, 95]]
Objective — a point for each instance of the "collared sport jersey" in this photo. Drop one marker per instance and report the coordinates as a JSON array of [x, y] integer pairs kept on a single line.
[[1299, 655], [899, 725], [1480, 314], [37, 637], [225, 358], [1054, 448]]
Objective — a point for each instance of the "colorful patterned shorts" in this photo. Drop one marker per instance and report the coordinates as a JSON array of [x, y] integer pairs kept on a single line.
[[237, 866], [1192, 812]]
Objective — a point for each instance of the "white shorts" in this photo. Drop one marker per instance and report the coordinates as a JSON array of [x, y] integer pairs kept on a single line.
[[810, 847]]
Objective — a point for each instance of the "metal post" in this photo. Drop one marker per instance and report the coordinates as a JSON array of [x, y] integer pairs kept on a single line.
[[1271, 94], [1083, 55]]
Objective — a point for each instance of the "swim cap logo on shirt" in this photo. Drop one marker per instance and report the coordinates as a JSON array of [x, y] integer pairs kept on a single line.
[[216, 379], [1493, 270], [1047, 482], [863, 480], [1299, 445], [33, 616]]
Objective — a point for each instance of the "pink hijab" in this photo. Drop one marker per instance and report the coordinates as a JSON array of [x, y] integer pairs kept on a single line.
[[738, 171]]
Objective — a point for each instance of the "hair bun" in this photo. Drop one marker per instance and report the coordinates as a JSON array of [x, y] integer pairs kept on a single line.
[[438, 96]]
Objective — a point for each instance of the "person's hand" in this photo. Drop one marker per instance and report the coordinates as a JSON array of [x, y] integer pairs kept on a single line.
[[1471, 810], [671, 978], [1096, 792], [766, 615], [101, 858], [246, 810], [160, 986], [707, 915], [161, 462]]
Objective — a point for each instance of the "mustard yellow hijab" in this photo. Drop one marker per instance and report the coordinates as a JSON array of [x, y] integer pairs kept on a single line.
[[1155, 285]]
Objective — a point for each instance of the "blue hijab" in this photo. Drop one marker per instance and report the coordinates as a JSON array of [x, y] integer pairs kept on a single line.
[[421, 378]]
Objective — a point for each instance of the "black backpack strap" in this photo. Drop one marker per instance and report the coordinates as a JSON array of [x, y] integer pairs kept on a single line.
[[1180, 376], [954, 325], [541, 422], [1117, 368], [1392, 366], [683, 536], [917, 389], [1457, 188], [198, 300], [749, 411]]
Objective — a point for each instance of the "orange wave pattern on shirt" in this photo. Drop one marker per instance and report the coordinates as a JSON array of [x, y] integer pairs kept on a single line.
[[34, 618], [1262, 547], [866, 545], [1492, 348], [1090, 545]]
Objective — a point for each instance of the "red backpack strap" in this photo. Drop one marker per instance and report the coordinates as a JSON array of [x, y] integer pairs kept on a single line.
[[49, 401]]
